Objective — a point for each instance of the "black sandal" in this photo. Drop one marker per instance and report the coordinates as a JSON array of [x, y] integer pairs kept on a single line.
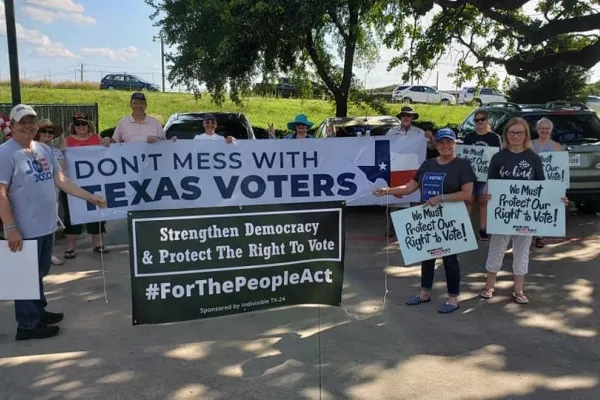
[[101, 249], [70, 254]]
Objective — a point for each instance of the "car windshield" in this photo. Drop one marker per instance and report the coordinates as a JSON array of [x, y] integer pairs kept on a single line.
[[358, 130], [190, 128], [569, 128]]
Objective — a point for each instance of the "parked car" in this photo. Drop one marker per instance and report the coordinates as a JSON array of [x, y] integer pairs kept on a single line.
[[285, 89], [356, 126], [188, 125], [421, 94], [593, 102], [576, 129], [481, 96], [127, 82]]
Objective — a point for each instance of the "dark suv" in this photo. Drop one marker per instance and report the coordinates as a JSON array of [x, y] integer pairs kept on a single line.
[[127, 82], [576, 129], [188, 125]]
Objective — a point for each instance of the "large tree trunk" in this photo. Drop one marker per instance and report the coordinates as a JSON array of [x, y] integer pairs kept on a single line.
[[341, 104]]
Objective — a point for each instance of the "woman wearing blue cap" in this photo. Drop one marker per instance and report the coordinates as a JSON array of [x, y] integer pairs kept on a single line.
[[444, 178], [299, 127]]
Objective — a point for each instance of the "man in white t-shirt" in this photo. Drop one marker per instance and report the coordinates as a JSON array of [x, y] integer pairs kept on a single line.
[[29, 172], [210, 126], [407, 116]]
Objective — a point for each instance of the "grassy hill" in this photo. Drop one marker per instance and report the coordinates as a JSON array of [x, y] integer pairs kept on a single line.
[[260, 111]]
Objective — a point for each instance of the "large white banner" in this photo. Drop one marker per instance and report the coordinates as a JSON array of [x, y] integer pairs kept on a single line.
[[526, 208], [191, 173]]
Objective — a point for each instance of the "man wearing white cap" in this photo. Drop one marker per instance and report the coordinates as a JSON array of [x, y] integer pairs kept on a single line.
[[28, 173]]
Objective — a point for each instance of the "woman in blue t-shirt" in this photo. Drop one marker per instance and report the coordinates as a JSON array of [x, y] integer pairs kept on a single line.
[[445, 178]]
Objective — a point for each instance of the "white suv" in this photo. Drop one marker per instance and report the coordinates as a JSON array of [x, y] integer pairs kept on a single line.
[[421, 94], [481, 97]]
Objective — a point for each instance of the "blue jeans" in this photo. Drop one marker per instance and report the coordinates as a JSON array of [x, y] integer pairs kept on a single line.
[[30, 312], [452, 269]]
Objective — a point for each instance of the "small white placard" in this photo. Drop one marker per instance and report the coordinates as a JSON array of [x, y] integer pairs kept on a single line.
[[19, 273]]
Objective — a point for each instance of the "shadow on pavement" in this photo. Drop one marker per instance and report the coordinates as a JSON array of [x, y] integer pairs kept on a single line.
[[493, 349]]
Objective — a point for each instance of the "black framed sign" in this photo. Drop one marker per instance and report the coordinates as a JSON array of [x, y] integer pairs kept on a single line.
[[200, 263]]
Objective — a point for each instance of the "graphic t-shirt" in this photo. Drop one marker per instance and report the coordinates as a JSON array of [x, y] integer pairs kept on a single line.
[[434, 178], [30, 179], [205, 136], [490, 139], [526, 166]]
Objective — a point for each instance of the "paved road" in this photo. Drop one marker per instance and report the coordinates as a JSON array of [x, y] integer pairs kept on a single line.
[[548, 349]]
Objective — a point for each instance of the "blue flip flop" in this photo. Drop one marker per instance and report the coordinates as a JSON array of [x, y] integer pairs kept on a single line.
[[416, 300], [447, 308]]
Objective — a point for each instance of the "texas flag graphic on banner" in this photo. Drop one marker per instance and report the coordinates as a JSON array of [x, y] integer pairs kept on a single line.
[[396, 168]]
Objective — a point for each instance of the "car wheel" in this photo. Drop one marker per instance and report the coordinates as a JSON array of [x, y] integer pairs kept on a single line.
[[407, 100], [110, 87], [478, 102], [446, 102], [587, 207]]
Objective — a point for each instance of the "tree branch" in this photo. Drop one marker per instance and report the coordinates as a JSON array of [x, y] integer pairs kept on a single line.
[[338, 24], [319, 64], [350, 51], [496, 4], [586, 58]]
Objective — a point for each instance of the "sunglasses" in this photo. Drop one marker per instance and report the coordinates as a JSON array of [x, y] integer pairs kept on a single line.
[[480, 119], [46, 130], [80, 123], [210, 121]]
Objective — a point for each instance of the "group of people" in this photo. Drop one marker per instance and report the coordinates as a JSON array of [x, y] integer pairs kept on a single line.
[[517, 160], [32, 169]]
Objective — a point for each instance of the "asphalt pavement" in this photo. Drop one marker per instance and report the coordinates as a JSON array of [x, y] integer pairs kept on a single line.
[[497, 349]]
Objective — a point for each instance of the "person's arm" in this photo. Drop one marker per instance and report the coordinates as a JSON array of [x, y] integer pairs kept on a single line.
[[464, 194], [11, 231], [557, 146], [403, 190], [70, 187], [117, 136]]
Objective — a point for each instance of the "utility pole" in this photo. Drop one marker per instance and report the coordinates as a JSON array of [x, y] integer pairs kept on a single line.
[[81, 79], [162, 56], [13, 53]]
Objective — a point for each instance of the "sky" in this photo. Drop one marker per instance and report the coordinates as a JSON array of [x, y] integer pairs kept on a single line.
[[55, 37]]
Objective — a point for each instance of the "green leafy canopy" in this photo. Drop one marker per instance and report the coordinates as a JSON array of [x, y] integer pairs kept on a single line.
[[225, 44], [523, 36]]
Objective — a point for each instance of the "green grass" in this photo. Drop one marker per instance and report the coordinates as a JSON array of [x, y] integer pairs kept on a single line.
[[113, 105]]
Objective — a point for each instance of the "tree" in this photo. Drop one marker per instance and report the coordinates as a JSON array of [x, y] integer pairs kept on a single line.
[[227, 43], [509, 34], [556, 83]]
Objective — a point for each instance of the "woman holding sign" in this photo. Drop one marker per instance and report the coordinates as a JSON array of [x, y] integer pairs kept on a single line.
[[445, 178], [517, 161], [543, 144], [483, 136]]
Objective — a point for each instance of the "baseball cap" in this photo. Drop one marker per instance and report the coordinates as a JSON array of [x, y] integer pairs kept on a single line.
[[445, 133], [21, 110], [210, 116], [138, 96], [80, 116]]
